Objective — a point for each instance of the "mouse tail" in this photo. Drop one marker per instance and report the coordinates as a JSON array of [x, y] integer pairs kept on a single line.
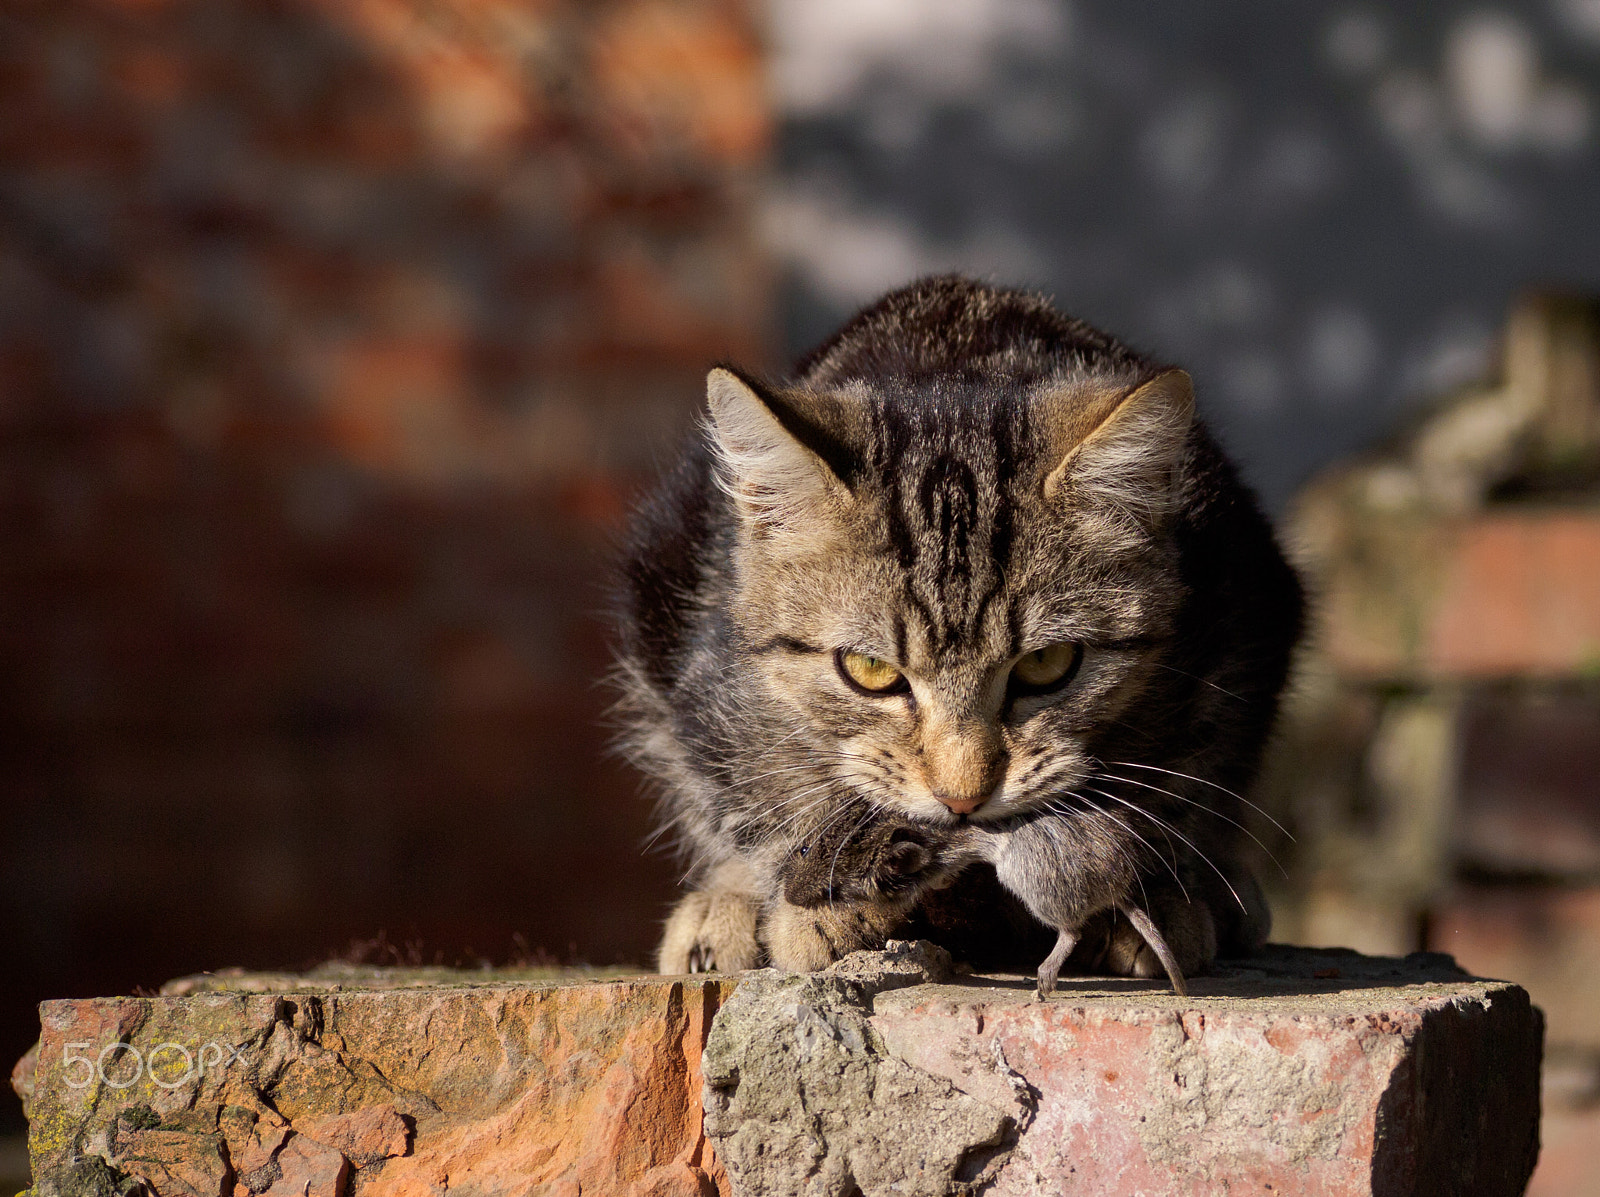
[[1146, 927]]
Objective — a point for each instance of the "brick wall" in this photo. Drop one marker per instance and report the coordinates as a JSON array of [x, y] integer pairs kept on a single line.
[[1442, 749], [333, 338]]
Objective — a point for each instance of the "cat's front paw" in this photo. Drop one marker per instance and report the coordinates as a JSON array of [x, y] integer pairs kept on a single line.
[[879, 861], [795, 940], [710, 931], [801, 939]]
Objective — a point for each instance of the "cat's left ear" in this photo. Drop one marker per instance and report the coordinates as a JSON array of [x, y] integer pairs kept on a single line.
[[1132, 455]]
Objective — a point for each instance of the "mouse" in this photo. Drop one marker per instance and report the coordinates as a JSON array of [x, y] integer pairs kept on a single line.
[[1061, 871], [1065, 878]]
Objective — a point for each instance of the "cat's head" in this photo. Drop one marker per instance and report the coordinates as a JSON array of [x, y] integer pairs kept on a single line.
[[955, 587]]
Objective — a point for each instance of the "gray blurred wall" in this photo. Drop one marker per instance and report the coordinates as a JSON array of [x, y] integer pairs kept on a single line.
[[1321, 210]]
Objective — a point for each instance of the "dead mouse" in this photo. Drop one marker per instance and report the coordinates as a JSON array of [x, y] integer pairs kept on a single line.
[[1065, 874], [1061, 868]]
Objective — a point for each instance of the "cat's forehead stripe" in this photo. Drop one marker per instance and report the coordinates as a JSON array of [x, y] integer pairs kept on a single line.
[[947, 507]]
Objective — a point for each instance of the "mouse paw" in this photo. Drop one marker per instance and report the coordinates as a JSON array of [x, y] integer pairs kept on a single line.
[[1045, 984]]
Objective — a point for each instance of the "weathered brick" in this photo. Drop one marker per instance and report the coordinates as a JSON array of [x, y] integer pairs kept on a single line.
[[449, 1081], [1298, 1072], [1301, 1089], [333, 340]]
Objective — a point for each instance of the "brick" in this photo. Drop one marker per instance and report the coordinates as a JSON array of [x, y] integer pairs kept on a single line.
[[675, 73], [370, 1134], [1544, 938], [1300, 1071], [1491, 596], [335, 339], [408, 1090], [1522, 597], [1252, 1087], [168, 1161], [307, 1168]]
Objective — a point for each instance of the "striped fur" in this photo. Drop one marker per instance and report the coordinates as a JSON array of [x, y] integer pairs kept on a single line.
[[960, 476]]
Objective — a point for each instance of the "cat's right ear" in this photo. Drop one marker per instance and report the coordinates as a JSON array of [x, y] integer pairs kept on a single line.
[[779, 461], [1131, 455]]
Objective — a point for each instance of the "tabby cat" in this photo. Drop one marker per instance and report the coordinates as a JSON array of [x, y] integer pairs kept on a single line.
[[976, 564]]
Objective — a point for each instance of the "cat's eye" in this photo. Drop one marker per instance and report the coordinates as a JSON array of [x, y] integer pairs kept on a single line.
[[1047, 668], [869, 674]]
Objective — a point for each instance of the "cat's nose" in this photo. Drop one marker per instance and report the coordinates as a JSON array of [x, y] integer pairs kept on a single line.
[[962, 763], [962, 804]]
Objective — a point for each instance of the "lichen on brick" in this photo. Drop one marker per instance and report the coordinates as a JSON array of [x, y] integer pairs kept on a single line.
[[803, 1096]]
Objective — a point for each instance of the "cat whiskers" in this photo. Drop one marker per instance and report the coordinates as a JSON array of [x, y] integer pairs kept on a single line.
[[770, 773], [1193, 847], [1202, 806], [1051, 771], [757, 816], [794, 818], [676, 822], [1138, 876], [1203, 781], [1202, 680], [1129, 828], [784, 807]]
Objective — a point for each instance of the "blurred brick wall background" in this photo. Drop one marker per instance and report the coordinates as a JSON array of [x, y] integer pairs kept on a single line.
[[333, 337], [1439, 755]]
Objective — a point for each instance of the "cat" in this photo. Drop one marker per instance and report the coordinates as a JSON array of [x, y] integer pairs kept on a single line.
[[975, 562]]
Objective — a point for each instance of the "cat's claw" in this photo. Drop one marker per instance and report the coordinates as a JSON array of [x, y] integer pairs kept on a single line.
[[702, 959]]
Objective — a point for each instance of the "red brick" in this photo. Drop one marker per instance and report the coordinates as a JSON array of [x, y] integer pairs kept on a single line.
[[371, 1134], [1492, 596], [345, 331], [1528, 800], [1400, 1076], [1196, 1097], [1521, 598], [503, 1088], [670, 72]]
